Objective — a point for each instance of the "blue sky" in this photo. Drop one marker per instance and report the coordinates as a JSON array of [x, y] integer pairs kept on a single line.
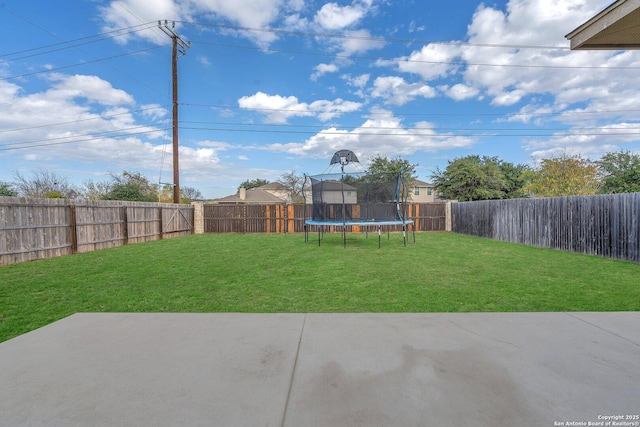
[[273, 86]]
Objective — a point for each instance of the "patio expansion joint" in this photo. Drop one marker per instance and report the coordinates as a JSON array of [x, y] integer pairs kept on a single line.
[[483, 336], [293, 371], [602, 329]]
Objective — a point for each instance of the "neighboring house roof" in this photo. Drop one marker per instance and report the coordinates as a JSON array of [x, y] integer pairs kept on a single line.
[[252, 195], [616, 27], [418, 183], [274, 186]]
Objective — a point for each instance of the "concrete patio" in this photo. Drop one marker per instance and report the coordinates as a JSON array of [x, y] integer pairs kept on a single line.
[[232, 369]]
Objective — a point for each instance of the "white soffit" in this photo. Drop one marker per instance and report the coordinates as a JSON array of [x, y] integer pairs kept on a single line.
[[617, 28]]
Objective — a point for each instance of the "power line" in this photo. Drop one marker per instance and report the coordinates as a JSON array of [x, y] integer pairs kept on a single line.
[[416, 61], [56, 47], [311, 129], [94, 136], [401, 132], [410, 132], [369, 38], [37, 144], [115, 33], [319, 128], [99, 117], [82, 63], [427, 114]]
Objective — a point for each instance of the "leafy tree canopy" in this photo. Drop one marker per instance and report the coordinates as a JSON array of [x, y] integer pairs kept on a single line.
[[564, 176], [7, 189], [479, 178], [253, 183], [384, 167], [132, 186], [620, 172]]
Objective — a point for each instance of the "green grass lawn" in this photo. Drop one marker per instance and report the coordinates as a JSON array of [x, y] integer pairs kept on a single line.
[[443, 272]]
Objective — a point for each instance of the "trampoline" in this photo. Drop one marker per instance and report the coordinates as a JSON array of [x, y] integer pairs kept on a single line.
[[356, 198]]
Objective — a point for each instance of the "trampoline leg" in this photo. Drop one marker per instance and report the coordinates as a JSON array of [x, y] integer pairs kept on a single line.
[[306, 233], [404, 234], [319, 228], [379, 235], [344, 235], [413, 228]]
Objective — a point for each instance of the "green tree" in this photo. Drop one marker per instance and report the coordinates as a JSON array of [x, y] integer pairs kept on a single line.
[[477, 178], [620, 172], [381, 176], [385, 167], [516, 177], [132, 186], [6, 189], [253, 183], [564, 176]]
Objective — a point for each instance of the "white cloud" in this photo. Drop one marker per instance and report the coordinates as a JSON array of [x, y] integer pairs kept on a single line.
[[279, 109], [414, 27], [382, 134], [92, 88], [359, 41], [322, 69], [204, 60], [154, 111], [334, 17], [517, 73], [395, 90], [431, 62], [487, 65], [461, 92], [121, 14], [80, 119], [357, 81]]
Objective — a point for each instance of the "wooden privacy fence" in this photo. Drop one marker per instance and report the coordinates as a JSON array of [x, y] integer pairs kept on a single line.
[[45, 228], [281, 218], [604, 225]]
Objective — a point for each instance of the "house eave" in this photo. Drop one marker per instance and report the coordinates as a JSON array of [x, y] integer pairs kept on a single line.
[[617, 27]]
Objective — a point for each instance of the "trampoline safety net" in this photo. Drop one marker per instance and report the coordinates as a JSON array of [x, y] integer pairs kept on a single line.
[[358, 198]]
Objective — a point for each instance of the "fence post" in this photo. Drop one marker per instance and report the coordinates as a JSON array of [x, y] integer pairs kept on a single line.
[[198, 217], [125, 226], [244, 219], [447, 217], [291, 216], [74, 229], [161, 223], [416, 215]]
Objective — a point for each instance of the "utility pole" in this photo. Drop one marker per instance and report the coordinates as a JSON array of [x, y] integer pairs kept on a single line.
[[179, 46]]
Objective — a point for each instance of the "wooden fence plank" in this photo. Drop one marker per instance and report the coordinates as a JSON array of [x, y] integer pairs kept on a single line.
[[44, 228], [281, 218], [604, 225]]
